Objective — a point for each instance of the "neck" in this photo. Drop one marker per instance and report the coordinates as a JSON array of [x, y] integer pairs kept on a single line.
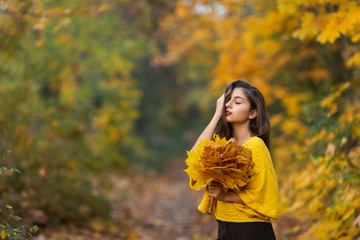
[[241, 133]]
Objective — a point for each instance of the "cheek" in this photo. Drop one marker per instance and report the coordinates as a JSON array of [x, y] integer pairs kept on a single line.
[[241, 112], [243, 109]]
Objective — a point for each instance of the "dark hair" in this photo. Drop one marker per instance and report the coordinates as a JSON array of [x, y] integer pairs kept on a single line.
[[259, 126]]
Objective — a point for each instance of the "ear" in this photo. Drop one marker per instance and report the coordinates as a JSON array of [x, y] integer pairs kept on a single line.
[[253, 114]]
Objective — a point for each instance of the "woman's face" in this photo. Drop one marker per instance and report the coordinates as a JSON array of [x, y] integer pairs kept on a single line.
[[238, 108]]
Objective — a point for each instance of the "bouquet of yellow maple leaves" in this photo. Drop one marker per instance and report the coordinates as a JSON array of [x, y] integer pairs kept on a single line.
[[222, 161]]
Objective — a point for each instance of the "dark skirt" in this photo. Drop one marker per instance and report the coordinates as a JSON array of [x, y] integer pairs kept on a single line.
[[245, 231]]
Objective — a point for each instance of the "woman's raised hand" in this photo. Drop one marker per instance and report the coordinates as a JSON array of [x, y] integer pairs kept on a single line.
[[220, 104], [210, 128]]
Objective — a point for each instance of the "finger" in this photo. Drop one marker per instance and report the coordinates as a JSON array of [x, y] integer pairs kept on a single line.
[[216, 184], [221, 97], [212, 193], [227, 93], [214, 189]]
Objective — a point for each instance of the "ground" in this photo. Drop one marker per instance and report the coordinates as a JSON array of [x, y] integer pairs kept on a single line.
[[155, 206]]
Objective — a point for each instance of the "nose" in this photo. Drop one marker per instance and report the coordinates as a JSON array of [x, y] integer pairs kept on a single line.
[[227, 105]]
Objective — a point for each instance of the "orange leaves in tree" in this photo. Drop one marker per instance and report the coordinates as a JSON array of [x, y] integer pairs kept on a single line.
[[222, 161]]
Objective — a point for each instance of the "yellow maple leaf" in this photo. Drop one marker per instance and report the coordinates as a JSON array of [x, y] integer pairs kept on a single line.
[[219, 160], [3, 234], [355, 38], [328, 35], [354, 60]]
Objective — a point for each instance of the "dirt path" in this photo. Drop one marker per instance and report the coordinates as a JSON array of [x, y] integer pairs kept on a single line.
[[150, 206], [164, 207]]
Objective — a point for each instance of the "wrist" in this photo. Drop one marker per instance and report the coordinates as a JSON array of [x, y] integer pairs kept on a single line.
[[217, 116], [226, 197], [231, 196], [221, 197]]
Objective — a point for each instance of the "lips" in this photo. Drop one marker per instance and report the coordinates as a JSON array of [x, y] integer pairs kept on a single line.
[[227, 113]]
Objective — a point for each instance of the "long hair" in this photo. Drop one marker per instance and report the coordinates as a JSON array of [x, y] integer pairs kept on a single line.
[[259, 126]]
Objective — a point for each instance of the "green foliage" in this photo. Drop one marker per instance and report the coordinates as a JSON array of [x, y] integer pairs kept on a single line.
[[68, 104], [75, 101], [9, 225], [89, 87], [9, 222]]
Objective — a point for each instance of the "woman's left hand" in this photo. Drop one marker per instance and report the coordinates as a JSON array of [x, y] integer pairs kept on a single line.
[[216, 190]]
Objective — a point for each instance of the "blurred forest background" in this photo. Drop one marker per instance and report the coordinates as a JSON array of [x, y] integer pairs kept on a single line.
[[90, 91]]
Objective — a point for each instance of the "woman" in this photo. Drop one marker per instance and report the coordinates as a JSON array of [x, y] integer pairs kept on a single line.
[[240, 114]]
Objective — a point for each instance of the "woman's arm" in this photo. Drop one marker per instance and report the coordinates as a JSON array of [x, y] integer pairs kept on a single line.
[[216, 191], [232, 196], [209, 130]]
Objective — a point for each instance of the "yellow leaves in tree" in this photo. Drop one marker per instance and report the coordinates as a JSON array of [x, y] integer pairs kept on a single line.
[[355, 38], [331, 31], [287, 7], [40, 42], [293, 103], [182, 10], [323, 23], [3, 234], [308, 29], [354, 60], [103, 8], [330, 101], [222, 161], [254, 47]]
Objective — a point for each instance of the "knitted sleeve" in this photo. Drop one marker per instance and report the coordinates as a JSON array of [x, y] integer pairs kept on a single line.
[[261, 194]]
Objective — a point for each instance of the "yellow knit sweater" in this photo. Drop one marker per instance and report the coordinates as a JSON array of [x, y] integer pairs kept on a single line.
[[260, 195]]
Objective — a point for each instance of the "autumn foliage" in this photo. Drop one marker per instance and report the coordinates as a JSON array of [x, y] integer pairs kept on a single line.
[[221, 161], [89, 86], [68, 105], [304, 57]]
